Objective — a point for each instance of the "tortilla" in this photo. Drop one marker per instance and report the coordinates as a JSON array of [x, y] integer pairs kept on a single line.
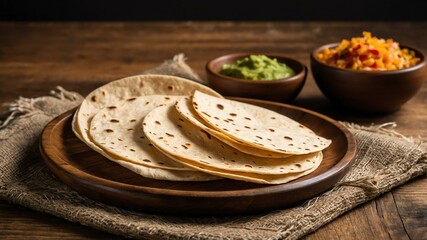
[[128, 88], [251, 177], [179, 138], [185, 108], [168, 175], [256, 126], [117, 130], [158, 173]]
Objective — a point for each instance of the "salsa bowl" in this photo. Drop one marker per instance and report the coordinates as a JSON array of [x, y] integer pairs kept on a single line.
[[368, 91]]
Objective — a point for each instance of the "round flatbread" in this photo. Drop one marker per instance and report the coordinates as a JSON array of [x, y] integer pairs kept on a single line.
[[175, 136], [185, 108], [117, 130], [251, 177], [167, 174], [127, 88], [256, 126], [160, 174]]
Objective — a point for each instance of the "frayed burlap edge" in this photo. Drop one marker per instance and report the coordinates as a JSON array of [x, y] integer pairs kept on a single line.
[[176, 67]]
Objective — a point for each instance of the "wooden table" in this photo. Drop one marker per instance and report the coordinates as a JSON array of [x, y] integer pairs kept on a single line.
[[36, 57]]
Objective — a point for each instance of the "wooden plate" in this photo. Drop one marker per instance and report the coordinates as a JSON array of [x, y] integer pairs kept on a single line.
[[96, 177]]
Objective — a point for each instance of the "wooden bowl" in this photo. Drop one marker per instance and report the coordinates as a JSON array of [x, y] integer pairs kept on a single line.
[[280, 90], [368, 91]]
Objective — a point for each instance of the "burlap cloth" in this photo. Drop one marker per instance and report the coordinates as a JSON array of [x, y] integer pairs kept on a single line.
[[384, 160]]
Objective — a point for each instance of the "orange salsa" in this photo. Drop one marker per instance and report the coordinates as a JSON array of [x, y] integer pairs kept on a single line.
[[368, 53]]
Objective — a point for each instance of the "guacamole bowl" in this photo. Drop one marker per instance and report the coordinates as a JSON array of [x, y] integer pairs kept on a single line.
[[363, 91], [279, 90]]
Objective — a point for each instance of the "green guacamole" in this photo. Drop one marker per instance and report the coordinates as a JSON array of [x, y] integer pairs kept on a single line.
[[257, 67]]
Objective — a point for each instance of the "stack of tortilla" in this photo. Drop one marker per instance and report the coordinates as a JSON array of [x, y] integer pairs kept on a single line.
[[170, 128]]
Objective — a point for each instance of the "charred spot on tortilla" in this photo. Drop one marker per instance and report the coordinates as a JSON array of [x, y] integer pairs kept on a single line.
[[206, 114]]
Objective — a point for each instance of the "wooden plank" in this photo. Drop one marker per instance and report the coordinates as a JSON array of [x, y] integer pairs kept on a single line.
[[410, 201], [18, 222]]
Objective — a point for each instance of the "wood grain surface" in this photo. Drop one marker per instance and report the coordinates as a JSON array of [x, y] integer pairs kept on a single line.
[[36, 57]]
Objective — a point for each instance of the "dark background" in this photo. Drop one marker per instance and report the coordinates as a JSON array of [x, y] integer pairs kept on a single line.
[[193, 10]]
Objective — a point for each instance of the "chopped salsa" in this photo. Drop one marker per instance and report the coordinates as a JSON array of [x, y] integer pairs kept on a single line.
[[368, 53]]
